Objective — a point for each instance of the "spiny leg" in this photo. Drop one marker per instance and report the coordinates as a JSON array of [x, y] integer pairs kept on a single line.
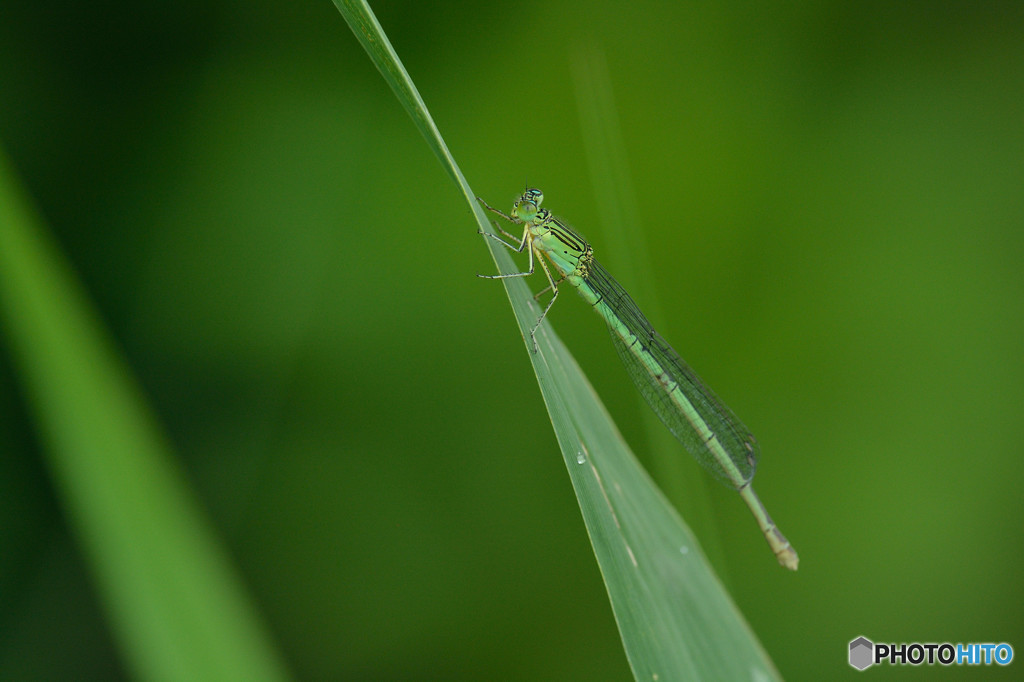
[[546, 289], [495, 210], [553, 286], [517, 249], [509, 218], [513, 247]]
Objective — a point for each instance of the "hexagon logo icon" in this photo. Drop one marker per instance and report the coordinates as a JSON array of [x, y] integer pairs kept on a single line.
[[862, 652]]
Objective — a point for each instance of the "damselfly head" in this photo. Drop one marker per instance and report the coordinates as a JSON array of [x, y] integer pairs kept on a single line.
[[528, 206]]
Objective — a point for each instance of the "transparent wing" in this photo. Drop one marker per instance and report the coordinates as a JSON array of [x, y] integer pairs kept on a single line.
[[688, 408]]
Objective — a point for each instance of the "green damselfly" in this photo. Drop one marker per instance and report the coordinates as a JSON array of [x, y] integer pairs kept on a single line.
[[691, 411]]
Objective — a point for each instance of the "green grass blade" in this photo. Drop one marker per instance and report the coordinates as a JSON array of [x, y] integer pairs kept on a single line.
[[175, 606], [675, 618]]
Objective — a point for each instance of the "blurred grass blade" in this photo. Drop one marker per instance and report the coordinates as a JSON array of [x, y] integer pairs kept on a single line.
[[675, 618], [176, 608]]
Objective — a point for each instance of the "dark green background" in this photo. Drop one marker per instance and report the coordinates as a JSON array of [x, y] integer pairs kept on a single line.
[[833, 199]]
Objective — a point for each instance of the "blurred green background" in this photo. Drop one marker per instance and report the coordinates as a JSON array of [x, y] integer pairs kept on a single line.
[[833, 197]]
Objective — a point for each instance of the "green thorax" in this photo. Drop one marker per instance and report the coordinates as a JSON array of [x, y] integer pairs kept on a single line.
[[566, 248]]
